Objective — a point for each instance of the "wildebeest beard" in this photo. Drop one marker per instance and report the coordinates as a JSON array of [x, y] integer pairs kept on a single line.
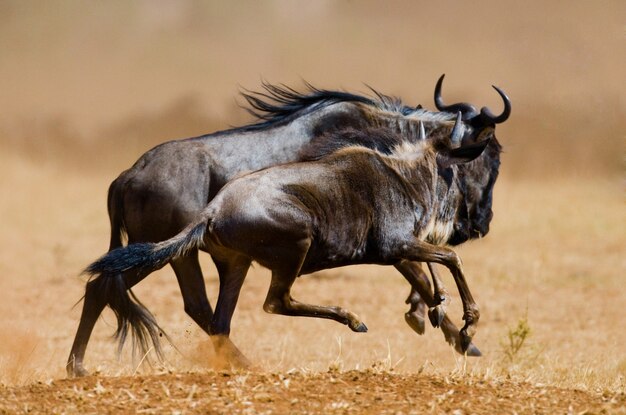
[[475, 181]]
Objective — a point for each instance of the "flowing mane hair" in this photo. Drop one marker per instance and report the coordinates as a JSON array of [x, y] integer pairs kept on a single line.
[[278, 103]]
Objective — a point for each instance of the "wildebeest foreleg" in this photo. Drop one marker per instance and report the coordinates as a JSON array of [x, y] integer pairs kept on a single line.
[[232, 272], [425, 252], [415, 316], [416, 277], [437, 313]]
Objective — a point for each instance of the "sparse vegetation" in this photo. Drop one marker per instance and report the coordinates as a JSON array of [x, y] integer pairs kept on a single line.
[[516, 338]]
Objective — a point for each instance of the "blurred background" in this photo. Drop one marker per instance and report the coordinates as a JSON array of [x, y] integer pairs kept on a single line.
[[86, 87], [94, 84]]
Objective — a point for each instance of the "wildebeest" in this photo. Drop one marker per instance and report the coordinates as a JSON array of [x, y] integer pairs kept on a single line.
[[351, 205], [173, 182]]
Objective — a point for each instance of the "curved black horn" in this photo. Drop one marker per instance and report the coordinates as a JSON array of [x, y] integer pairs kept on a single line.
[[486, 113], [468, 110]]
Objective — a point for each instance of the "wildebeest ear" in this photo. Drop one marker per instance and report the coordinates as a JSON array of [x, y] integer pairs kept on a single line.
[[463, 154]]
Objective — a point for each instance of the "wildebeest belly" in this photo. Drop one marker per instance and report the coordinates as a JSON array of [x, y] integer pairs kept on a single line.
[[349, 248]]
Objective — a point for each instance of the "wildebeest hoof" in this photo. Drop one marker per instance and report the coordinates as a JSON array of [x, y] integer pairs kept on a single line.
[[473, 351], [360, 328], [415, 322], [77, 372], [466, 340], [436, 315]]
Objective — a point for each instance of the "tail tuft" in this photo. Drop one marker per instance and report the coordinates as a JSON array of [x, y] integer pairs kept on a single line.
[[132, 317], [148, 257]]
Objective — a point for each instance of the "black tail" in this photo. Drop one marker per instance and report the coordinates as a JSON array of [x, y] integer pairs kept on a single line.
[[142, 258], [131, 315]]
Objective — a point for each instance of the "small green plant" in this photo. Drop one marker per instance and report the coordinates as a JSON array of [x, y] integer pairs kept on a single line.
[[516, 337]]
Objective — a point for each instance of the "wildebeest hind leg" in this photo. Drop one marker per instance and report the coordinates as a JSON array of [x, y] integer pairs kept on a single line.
[[279, 300], [192, 288], [232, 272], [94, 302]]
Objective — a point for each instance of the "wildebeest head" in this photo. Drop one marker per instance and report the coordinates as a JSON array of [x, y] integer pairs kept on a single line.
[[476, 181]]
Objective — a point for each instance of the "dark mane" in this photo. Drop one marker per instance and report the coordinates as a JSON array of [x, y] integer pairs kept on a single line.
[[279, 102], [378, 139]]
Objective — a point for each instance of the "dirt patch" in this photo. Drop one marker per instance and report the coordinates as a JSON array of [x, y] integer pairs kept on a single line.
[[348, 392]]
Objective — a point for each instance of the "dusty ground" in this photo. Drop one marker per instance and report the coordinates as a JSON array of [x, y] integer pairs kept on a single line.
[[352, 392], [87, 88]]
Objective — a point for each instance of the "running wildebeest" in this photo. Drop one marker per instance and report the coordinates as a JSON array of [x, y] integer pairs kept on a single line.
[[173, 182], [350, 205]]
